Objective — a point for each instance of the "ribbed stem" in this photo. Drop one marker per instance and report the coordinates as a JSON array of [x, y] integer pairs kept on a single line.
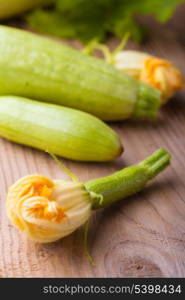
[[148, 102], [157, 162], [128, 181]]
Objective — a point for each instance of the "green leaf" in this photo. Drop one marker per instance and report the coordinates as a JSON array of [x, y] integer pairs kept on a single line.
[[89, 20]]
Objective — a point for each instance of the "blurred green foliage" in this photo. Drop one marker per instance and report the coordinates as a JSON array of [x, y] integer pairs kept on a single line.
[[93, 19]]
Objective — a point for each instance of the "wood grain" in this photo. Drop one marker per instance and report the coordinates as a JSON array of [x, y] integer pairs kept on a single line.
[[143, 236]]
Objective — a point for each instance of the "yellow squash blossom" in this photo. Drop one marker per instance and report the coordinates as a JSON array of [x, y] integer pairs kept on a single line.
[[47, 210], [154, 71]]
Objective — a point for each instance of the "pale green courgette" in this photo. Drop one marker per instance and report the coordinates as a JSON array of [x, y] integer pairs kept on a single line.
[[64, 131], [42, 69]]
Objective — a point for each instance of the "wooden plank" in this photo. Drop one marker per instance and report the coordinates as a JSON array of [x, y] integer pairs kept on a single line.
[[143, 236]]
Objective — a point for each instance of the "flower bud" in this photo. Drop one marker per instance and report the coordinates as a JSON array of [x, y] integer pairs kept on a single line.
[[46, 209], [154, 71]]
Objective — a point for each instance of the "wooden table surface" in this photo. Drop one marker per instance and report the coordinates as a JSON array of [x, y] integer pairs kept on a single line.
[[143, 236]]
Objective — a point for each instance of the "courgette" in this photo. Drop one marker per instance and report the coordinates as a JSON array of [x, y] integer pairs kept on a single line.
[[47, 209], [64, 131], [42, 69]]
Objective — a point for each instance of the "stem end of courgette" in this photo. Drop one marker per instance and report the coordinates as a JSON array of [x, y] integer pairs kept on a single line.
[[156, 163], [148, 102]]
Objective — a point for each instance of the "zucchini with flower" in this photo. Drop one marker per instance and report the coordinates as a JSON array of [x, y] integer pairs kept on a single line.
[[48, 210], [61, 130], [154, 71], [46, 70]]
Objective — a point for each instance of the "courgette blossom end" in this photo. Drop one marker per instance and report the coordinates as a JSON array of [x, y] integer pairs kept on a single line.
[[157, 72]]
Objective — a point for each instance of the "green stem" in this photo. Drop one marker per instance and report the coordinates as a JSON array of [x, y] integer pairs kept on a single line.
[[127, 181], [121, 45], [156, 163], [61, 165], [86, 247], [148, 102]]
